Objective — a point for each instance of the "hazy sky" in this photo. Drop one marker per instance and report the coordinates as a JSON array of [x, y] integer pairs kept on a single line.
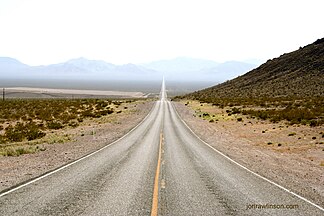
[[137, 31]]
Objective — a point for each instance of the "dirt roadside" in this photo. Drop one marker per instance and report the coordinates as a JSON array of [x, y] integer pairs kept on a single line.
[[67, 145], [291, 156]]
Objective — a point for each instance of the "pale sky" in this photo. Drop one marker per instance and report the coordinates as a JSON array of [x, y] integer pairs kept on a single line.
[[40, 32]]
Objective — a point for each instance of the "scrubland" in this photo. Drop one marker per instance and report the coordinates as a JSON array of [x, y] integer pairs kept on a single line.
[[26, 123]]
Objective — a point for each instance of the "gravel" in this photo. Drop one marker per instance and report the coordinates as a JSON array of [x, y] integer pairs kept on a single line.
[[292, 170]]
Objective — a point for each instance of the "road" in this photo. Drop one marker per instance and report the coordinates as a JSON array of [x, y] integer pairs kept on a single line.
[[159, 168]]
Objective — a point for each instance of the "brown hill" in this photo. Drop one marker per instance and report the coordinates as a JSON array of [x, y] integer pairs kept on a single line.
[[298, 74]]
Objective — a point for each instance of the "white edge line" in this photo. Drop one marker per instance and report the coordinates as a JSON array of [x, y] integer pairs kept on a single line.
[[233, 161], [78, 160]]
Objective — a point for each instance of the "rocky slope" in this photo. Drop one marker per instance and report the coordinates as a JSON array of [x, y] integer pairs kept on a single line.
[[297, 74]]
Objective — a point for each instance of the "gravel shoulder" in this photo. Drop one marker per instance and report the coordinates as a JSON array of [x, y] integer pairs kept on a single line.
[[67, 145], [295, 162]]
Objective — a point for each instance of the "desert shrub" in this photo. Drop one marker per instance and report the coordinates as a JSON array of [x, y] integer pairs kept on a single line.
[[236, 110], [55, 125], [49, 114], [66, 117], [2, 139], [97, 114], [261, 114], [33, 132], [117, 103], [21, 131], [205, 114], [73, 124], [87, 113], [106, 112], [14, 134], [313, 123]]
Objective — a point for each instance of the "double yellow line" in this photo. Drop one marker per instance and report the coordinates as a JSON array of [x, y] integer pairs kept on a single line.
[[154, 211]]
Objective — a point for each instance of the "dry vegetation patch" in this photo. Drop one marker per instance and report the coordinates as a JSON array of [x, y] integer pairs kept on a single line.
[[281, 136], [27, 123], [306, 111]]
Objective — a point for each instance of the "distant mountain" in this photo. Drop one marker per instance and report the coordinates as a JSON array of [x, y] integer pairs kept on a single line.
[[296, 74], [11, 67], [199, 69], [80, 68], [181, 64], [7, 63], [58, 69], [91, 65], [183, 69], [132, 71]]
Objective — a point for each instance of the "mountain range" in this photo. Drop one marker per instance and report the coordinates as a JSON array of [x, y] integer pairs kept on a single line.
[[182, 68], [298, 74]]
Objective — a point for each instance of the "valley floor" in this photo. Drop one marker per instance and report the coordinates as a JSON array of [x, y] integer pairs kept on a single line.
[[292, 156], [23, 92]]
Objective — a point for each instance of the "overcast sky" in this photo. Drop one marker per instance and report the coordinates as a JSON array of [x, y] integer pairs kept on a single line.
[[136, 31]]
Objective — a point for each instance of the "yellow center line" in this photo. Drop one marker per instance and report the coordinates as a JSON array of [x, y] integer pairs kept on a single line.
[[154, 211]]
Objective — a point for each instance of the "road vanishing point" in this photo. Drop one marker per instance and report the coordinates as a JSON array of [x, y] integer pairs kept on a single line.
[[159, 168]]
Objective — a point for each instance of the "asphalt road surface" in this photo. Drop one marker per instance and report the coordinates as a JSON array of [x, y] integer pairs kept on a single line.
[[159, 168]]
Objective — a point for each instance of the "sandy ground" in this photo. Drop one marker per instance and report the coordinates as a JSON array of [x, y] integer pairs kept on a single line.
[[67, 145], [73, 92], [291, 156]]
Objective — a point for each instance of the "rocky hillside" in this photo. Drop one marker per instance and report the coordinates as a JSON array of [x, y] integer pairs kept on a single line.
[[298, 74]]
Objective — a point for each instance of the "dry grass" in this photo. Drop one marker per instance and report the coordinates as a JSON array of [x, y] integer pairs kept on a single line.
[[279, 136], [309, 111], [25, 124]]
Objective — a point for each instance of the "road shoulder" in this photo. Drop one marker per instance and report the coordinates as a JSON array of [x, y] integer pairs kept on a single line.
[[298, 169]]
